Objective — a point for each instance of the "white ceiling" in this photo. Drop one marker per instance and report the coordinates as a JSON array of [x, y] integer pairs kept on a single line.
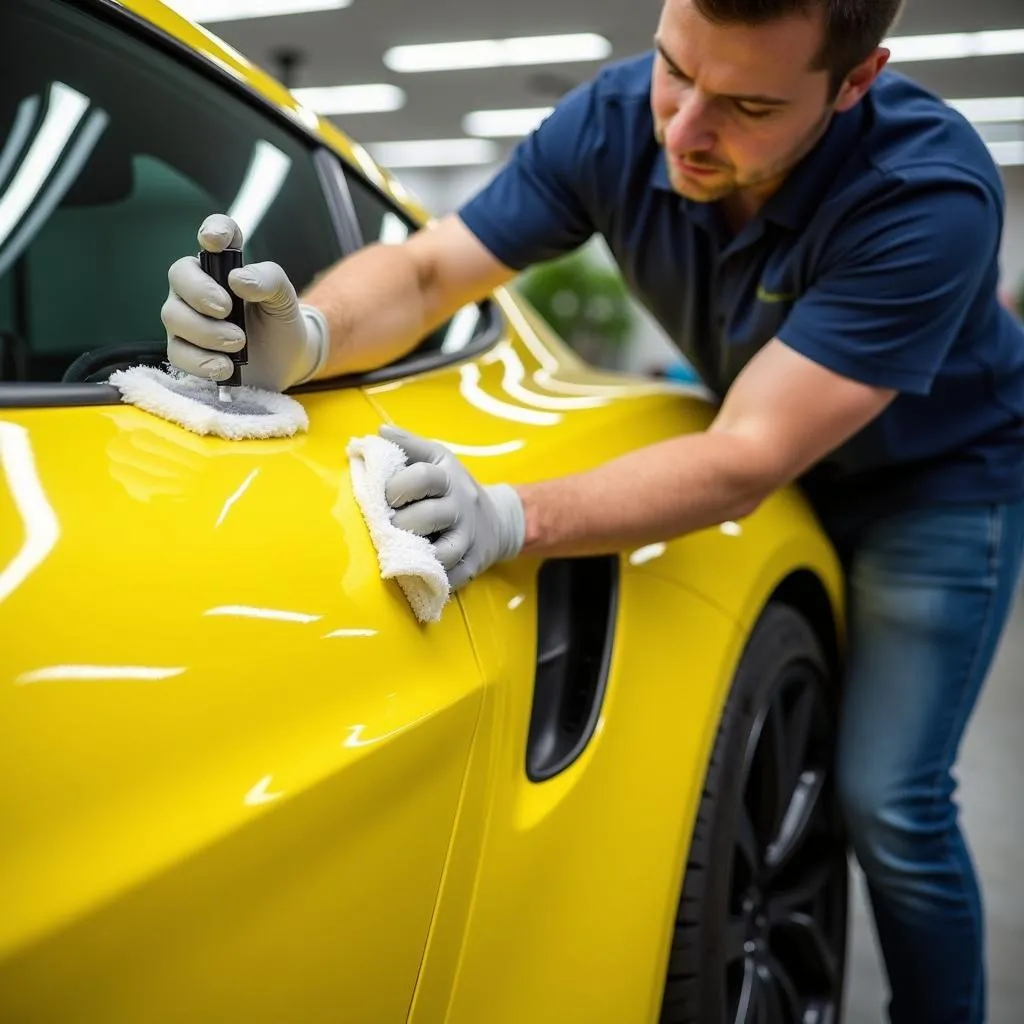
[[345, 47]]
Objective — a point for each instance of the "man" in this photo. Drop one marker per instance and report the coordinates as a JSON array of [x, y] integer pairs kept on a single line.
[[820, 238]]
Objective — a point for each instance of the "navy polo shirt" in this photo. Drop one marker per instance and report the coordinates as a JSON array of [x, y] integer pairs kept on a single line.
[[877, 258]]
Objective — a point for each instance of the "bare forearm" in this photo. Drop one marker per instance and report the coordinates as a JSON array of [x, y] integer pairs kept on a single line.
[[376, 307], [654, 494]]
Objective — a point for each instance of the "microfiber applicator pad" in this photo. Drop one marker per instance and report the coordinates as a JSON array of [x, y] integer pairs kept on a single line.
[[193, 403], [401, 555]]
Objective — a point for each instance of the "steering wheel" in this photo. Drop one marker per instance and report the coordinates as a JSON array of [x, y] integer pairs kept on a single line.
[[96, 365]]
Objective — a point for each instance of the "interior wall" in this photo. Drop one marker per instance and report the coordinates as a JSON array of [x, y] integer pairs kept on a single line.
[[1013, 234]]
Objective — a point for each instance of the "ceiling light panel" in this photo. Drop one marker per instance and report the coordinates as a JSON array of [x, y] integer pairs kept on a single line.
[[487, 53], [991, 109], [208, 11], [504, 123], [351, 99], [433, 152], [1007, 154], [1000, 131], [954, 45]]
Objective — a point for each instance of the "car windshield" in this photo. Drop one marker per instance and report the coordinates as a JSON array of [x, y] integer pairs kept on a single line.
[[112, 152]]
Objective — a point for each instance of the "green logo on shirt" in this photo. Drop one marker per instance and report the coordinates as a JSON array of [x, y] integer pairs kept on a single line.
[[763, 295]]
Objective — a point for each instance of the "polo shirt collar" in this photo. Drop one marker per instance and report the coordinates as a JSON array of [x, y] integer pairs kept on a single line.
[[703, 214], [659, 170]]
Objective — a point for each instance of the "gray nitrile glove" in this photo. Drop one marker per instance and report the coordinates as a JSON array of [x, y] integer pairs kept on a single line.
[[435, 496], [287, 341]]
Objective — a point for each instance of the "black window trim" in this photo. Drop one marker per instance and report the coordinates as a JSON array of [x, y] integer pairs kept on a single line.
[[330, 166], [54, 395], [338, 199], [492, 330]]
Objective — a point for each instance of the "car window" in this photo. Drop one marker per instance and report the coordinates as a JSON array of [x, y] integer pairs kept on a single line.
[[112, 151], [380, 220]]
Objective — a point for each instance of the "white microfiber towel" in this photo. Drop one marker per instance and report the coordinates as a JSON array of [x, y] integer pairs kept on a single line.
[[192, 403], [403, 556]]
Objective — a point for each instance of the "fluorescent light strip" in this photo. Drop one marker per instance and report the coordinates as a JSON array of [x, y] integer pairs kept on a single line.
[[207, 11], [504, 123], [1000, 131], [991, 109], [488, 53], [378, 98], [462, 328], [1007, 154], [28, 111], [267, 171], [66, 109], [954, 45], [43, 204], [433, 152]]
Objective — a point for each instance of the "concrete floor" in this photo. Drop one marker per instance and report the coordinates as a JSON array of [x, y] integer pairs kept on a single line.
[[991, 776]]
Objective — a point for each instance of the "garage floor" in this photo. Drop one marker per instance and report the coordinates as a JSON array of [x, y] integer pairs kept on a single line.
[[991, 783]]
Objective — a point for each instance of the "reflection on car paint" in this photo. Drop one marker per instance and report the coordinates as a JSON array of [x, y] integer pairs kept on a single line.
[[98, 673], [234, 497], [356, 737], [349, 633], [38, 518], [151, 458], [483, 450], [647, 553], [515, 374], [469, 387], [259, 793], [278, 614]]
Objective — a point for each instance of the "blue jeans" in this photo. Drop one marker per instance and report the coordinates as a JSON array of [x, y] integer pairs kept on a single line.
[[929, 595]]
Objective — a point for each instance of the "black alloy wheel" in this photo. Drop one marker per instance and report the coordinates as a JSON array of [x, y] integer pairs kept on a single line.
[[760, 935]]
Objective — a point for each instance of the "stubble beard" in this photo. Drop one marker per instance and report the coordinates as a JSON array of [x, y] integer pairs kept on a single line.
[[764, 180]]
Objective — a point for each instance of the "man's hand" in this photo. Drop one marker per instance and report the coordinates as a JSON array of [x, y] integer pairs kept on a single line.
[[472, 527], [288, 342]]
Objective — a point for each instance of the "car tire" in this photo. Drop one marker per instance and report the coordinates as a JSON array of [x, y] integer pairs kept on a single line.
[[760, 935]]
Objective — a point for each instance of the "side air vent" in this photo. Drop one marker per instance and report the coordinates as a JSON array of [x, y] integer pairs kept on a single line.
[[577, 601]]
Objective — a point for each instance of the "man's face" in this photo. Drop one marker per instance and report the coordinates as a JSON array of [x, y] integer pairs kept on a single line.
[[735, 106]]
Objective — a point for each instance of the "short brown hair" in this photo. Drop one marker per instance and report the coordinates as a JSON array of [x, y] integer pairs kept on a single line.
[[853, 28]]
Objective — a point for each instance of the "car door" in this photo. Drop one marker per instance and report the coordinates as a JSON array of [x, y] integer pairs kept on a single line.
[[231, 758]]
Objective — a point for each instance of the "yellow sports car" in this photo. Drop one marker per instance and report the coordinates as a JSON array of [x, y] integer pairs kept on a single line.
[[241, 782]]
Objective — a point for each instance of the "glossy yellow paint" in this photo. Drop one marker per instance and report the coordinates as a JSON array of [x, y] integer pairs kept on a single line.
[[245, 785], [560, 898], [233, 757]]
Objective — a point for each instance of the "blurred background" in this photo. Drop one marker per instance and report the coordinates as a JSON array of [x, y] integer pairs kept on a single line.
[[440, 93]]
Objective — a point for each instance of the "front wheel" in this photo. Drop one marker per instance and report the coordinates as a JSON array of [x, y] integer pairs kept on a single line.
[[760, 935]]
